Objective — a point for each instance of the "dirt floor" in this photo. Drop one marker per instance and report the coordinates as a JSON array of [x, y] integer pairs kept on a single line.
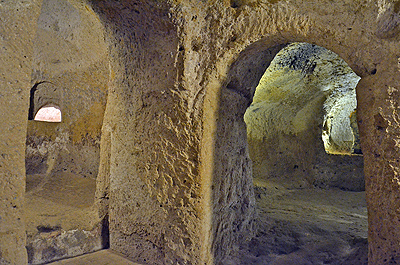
[[60, 201], [307, 226]]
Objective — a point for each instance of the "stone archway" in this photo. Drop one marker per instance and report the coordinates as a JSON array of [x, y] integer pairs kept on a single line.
[[292, 120], [70, 70], [224, 105], [232, 183], [306, 199]]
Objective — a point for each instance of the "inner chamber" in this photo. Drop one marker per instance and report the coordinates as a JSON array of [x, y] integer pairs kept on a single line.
[[307, 163], [70, 75]]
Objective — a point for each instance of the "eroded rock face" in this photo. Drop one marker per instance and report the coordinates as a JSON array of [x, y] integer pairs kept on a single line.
[[307, 91], [54, 244]]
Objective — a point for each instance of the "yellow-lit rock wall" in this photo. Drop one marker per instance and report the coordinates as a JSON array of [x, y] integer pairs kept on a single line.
[[154, 200], [16, 65], [300, 112]]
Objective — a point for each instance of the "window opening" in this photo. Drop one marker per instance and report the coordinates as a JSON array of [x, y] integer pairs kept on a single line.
[[48, 114]]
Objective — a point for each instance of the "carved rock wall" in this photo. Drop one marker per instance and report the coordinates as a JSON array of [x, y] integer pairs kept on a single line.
[[16, 64], [175, 176], [154, 200], [287, 121]]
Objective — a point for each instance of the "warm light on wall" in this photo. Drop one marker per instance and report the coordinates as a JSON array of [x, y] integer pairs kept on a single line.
[[48, 114]]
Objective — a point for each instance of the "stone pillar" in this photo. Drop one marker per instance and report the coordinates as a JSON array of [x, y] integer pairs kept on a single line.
[[17, 29], [379, 97], [148, 141]]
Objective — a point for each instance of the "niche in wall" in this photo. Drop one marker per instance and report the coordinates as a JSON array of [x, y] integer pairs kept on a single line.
[[61, 220], [311, 204]]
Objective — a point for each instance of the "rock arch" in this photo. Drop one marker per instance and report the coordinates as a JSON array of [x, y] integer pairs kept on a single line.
[[292, 174], [70, 70], [225, 103], [286, 119]]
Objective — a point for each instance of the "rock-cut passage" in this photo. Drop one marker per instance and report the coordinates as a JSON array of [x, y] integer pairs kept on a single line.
[[70, 69], [311, 204]]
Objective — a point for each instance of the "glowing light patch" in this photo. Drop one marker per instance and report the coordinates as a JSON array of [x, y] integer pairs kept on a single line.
[[49, 114]]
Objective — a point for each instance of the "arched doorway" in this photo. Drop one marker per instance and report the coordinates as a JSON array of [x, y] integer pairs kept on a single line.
[[70, 75], [232, 187], [311, 204]]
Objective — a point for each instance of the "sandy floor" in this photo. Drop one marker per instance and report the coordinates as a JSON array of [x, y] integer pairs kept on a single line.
[[62, 201], [308, 226]]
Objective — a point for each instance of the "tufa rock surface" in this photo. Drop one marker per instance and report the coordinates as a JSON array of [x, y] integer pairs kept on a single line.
[[168, 83]]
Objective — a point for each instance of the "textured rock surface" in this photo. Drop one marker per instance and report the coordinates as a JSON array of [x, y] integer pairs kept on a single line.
[[306, 92], [174, 168], [155, 211], [16, 65], [56, 244]]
